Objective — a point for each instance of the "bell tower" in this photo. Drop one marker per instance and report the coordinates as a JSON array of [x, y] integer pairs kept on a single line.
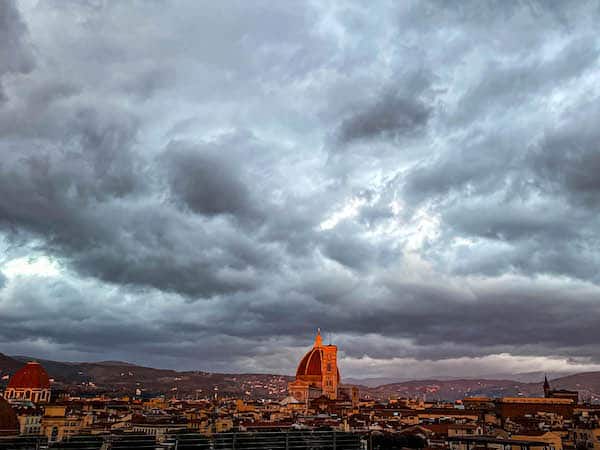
[[546, 387], [329, 369]]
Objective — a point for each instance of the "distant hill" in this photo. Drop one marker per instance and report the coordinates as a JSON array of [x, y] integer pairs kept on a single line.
[[123, 377], [456, 389], [374, 382], [528, 377], [522, 377], [588, 385], [8, 365]]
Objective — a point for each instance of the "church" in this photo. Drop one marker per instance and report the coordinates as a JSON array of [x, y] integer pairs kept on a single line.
[[317, 374], [560, 393], [30, 383]]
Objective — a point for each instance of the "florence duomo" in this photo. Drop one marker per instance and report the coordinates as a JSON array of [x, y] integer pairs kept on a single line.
[[317, 373], [190, 188], [318, 382]]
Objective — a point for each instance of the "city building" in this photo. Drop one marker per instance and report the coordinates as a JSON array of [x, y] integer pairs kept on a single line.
[[515, 407], [317, 404], [552, 438], [30, 418], [9, 424], [60, 421], [158, 425], [587, 436], [559, 393]]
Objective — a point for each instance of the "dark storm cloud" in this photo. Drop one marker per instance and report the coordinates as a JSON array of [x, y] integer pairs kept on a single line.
[[193, 188], [348, 250], [567, 160], [85, 200], [528, 207], [440, 322], [16, 55], [348, 245], [45, 188], [207, 182], [391, 117]]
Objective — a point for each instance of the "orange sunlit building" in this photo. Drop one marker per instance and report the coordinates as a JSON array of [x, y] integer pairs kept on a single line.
[[317, 374]]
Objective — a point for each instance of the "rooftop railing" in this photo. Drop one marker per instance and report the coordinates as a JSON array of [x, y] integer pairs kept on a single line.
[[259, 440]]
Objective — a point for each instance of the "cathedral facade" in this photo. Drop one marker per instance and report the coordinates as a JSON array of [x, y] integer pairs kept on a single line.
[[317, 374]]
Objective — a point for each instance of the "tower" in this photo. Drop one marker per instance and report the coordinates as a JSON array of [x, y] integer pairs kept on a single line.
[[546, 387], [329, 369]]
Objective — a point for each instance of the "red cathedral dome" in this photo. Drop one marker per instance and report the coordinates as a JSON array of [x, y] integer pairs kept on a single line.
[[31, 376], [9, 423], [311, 364]]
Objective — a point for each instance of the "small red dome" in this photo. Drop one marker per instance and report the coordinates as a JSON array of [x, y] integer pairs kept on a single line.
[[31, 376], [9, 424]]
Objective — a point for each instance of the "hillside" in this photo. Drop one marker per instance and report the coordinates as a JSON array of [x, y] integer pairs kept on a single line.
[[8, 365], [456, 389], [123, 377], [588, 385]]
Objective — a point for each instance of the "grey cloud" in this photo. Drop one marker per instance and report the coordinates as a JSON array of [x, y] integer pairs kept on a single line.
[[160, 161], [410, 320], [348, 250], [475, 165], [76, 315], [348, 245], [392, 116], [16, 55], [83, 200], [511, 222], [207, 180], [147, 81], [567, 160], [507, 236], [44, 189], [528, 205], [504, 87]]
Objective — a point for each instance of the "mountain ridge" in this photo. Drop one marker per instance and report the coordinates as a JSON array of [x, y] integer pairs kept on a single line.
[[124, 377]]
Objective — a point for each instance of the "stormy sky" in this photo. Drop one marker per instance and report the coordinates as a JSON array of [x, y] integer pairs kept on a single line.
[[200, 184]]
